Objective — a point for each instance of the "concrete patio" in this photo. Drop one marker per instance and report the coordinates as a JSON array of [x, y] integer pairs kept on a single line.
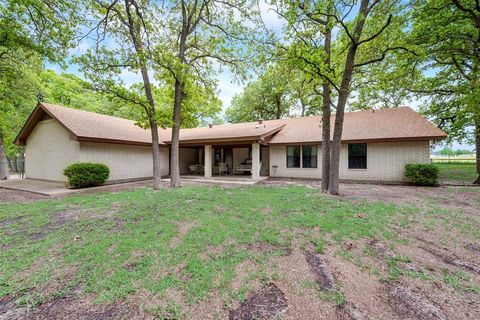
[[46, 188], [52, 188], [231, 179]]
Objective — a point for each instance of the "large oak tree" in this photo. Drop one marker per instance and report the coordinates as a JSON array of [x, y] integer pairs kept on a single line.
[[195, 38], [336, 41], [447, 35]]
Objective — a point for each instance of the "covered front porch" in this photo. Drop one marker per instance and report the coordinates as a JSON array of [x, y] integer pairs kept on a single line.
[[240, 162]]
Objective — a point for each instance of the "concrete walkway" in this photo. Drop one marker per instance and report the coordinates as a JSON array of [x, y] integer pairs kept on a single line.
[[46, 188], [52, 188]]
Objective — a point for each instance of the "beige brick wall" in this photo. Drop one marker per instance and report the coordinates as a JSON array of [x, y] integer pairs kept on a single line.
[[278, 157], [125, 161], [385, 162], [48, 151]]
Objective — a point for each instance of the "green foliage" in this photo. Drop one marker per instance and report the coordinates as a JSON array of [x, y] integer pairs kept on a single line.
[[174, 56], [71, 91], [422, 174], [19, 98], [17, 93], [85, 174], [460, 152], [381, 45], [30, 31], [281, 91], [441, 28], [200, 106], [46, 28], [447, 151]]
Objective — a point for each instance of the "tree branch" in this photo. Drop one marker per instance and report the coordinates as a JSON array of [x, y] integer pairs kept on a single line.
[[466, 10], [379, 32], [382, 57]]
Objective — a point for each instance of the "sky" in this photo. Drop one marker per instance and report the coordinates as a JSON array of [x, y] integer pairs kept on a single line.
[[227, 85]]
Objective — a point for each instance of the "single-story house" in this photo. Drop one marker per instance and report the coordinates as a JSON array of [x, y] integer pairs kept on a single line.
[[376, 145]]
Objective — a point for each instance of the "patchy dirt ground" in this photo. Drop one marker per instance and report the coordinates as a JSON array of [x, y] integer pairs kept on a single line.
[[7, 195], [448, 197], [424, 272]]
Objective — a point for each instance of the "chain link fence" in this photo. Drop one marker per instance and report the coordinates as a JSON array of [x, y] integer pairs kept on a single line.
[[14, 166]]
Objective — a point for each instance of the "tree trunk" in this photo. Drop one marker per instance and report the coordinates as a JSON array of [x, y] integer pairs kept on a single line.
[[134, 31], [175, 148], [22, 164], [278, 104], [157, 173], [303, 107], [326, 138], [177, 108], [14, 164], [326, 113], [333, 184], [3, 159], [477, 146]]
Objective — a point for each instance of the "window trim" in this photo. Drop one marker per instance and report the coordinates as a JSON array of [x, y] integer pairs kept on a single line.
[[301, 156], [316, 156], [366, 157]]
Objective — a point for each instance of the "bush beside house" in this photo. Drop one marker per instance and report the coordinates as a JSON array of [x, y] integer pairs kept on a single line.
[[84, 175], [422, 174]]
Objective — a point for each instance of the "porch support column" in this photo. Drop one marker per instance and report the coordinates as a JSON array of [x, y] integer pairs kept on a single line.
[[208, 161], [255, 161]]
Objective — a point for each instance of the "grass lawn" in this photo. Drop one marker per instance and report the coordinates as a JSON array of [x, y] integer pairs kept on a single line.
[[463, 173], [206, 245]]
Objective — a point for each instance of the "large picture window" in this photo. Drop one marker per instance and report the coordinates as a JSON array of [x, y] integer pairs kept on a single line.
[[309, 156], [293, 157], [357, 156], [302, 156]]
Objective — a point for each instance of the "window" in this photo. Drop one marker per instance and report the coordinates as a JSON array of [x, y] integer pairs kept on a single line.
[[309, 156], [302, 156], [293, 157], [357, 156]]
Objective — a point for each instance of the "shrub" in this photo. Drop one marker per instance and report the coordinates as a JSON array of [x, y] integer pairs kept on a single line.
[[83, 175], [422, 174]]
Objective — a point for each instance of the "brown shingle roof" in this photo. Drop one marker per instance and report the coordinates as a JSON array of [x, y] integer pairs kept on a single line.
[[88, 126], [396, 124]]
